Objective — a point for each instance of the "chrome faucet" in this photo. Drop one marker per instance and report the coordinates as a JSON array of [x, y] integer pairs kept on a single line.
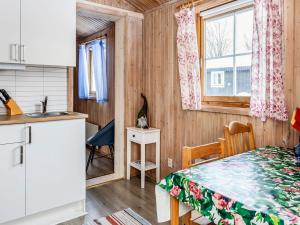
[[44, 105]]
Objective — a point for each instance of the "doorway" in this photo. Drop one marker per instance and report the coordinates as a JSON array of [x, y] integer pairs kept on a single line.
[[117, 17]]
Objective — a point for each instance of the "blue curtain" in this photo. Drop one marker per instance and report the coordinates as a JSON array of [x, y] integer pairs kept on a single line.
[[100, 73], [83, 87]]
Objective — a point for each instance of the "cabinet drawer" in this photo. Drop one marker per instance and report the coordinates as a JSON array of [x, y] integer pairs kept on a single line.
[[12, 134], [134, 136]]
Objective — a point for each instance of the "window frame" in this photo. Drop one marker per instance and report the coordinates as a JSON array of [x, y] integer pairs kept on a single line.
[[224, 101], [92, 94]]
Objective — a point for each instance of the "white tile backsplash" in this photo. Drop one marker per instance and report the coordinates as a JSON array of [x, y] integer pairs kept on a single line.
[[29, 87]]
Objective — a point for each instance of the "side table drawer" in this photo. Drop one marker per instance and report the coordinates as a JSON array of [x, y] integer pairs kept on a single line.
[[134, 136], [151, 137]]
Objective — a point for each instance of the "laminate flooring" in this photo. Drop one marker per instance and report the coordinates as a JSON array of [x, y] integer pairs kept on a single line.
[[118, 195], [100, 166]]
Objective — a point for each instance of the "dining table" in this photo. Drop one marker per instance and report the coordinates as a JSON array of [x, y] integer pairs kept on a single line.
[[260, 187]]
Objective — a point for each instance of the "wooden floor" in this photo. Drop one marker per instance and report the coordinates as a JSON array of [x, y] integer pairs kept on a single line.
[[119, 195], [100, 166]]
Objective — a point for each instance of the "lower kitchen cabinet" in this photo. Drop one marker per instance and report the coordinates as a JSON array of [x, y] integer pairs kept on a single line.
[[12, 185], [42, 172], [55, 161]]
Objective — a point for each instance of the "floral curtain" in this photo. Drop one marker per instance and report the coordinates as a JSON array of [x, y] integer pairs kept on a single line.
[[188, 59], [267, 97]]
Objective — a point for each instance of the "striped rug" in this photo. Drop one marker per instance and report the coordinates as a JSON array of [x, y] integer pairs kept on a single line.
[[124, 217]]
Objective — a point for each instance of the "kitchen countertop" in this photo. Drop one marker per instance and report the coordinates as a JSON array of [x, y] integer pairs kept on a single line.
[[19, 119]]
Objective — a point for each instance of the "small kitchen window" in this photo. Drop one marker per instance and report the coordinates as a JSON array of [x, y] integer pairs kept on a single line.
[[225, 37]]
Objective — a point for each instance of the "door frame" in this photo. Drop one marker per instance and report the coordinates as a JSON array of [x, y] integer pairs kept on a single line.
[[120, 17]]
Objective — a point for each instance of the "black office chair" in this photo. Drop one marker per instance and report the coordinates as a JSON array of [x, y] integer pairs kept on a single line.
[[104, 137]]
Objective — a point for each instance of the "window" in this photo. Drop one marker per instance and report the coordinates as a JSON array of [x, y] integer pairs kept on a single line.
[[91, 73], [92, 87], [226, 40]]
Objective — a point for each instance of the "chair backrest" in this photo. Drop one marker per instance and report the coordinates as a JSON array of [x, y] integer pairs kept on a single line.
[[215, 150], [105, 136], [239, 138]]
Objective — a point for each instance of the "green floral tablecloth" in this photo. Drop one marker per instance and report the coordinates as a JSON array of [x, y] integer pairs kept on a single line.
[[257, 187]]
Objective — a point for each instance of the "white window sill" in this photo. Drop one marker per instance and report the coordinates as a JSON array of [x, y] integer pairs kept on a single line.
[[226, 110], [92, 97]]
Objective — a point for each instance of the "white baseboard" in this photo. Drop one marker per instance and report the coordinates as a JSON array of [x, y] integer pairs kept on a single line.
[[53, 216]]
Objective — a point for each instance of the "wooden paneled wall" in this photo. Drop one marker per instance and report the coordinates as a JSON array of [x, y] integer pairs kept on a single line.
[[117, 3], [133, 70], [100, 114], [161, 86], [295, 83], [133, 75]]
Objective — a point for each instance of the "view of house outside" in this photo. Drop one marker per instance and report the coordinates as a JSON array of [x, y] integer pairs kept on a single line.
[[228, 52]]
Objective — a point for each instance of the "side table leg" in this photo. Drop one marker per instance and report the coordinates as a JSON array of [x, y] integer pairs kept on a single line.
[[157, 155], [128, 159], [143, 161]]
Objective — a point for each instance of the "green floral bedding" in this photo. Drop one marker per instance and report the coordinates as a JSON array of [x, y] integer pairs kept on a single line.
[[257, 187]]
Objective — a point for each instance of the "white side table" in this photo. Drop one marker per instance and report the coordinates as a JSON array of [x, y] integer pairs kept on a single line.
[[143, 137]]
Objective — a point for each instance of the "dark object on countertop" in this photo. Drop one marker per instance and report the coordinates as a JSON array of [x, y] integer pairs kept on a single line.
[[142, 118], [105, 136], [5, 94], [44, 105], [5, 97], [2, 100], [10, 104]]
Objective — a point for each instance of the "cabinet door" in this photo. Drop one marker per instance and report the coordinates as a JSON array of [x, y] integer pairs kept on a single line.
[[10, 31], [55, 173], [12, 187], [48, 32]]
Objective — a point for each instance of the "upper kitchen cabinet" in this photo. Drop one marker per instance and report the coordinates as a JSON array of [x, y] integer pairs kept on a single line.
[[10, 31], [38, 32], [48, 32]]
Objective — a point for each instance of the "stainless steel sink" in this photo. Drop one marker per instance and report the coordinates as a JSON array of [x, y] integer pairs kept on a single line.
[[48, 114], [36, 115], [57, 113]]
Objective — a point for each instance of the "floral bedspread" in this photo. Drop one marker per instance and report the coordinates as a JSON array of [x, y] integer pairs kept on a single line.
[[257, 187]]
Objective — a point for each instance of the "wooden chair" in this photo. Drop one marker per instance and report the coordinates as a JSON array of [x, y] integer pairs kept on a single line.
[[239, 138], [209, 152]]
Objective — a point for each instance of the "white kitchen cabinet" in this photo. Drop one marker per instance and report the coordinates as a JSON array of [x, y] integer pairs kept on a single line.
[[48, 32], [38, 32], [10, 31], [55, 162], [12, 185]]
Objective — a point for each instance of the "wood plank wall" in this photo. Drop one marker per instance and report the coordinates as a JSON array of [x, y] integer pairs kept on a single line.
[[133, 70], [296, 81], [133, 76], [100, 114], [161, 86], [117, 3]]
